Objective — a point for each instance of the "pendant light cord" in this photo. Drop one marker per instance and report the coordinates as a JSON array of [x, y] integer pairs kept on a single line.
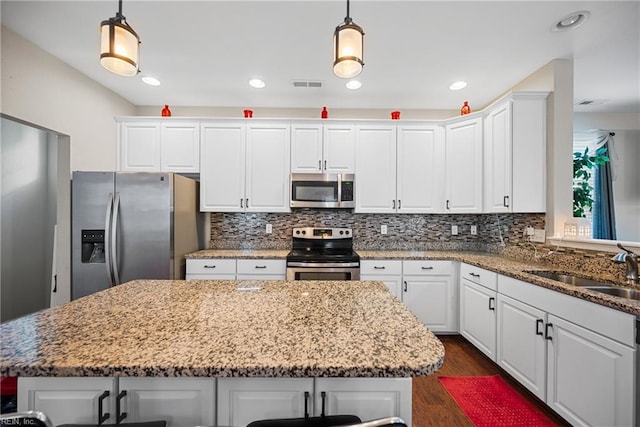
[[347, 10]]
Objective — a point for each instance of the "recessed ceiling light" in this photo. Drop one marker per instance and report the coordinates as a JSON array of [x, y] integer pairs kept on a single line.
[[257, 83], [572, 21], [152, 81], [354, 84], [458, 85]]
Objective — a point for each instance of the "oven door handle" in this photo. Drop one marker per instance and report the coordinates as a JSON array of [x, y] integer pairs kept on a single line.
[[323, 264]]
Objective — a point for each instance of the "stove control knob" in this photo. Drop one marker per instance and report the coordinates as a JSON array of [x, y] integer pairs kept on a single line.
[[347, 232], [297, 231], [341, 232], [304, 232]]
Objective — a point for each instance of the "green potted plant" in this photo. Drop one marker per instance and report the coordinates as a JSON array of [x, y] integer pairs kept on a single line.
[[583, 165]]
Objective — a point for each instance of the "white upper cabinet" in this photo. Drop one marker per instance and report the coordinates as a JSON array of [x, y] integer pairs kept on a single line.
[[399, 168], [244, 167], [156, 145], [322, 148], [420, 168], [463, 163], [515, 154], [376, 168]]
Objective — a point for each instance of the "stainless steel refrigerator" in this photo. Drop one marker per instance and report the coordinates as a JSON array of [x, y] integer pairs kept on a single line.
[[130, 225]]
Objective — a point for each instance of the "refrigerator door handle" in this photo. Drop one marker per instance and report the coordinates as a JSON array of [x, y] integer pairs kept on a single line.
[[114, 247], [107, 241]]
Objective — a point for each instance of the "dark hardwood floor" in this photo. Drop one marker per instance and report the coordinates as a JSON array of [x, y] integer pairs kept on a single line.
[[432, 404]]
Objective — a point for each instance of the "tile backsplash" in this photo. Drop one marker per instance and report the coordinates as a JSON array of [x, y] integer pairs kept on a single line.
[[501, 234]]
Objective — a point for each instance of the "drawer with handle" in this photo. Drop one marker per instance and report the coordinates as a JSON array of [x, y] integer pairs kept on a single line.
[[427, 268], [262, 266], [211, 266], [380, 267], [478, 275]]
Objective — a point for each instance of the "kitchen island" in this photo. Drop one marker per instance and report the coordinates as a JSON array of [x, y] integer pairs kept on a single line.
[[263, 330]]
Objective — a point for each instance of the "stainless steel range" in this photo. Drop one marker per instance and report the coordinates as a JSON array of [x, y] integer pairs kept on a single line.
[[323, 254]]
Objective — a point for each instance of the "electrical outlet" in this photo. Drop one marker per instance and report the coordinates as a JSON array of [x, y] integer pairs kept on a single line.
[[454, 230], [529, 231], [539, 235], [383, 229], [474, 230], [268, 229]]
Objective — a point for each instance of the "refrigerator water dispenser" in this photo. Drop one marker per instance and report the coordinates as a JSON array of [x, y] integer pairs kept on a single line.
[[92, 246]]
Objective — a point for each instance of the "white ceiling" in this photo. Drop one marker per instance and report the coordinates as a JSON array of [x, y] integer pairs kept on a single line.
[[204, 52]]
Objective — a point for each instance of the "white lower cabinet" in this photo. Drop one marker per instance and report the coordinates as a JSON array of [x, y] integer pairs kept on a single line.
[[179, 401], [243, 400], [387, 271], [232, 269], [261, 269], [429, 292], [478, 308], [211, 269], [577, 356], [69, 400]]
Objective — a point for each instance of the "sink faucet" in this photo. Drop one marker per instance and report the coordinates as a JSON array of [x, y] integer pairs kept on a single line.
[[631, 259]]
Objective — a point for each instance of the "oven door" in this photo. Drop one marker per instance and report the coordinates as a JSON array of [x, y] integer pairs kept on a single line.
[[318, 271]]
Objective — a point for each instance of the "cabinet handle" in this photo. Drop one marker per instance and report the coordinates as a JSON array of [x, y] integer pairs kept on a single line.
[[474, 275], [306, 405], [379, 268], [323, 395], [102, 417], [492, 306], [539, 322], [261, 266], [241, 202], [246, 203], [427, 268], [394, 204], [405, 286], [120, 415], [325, 165], [505, 201], [447, 204], [547, 335], [209, 266], [399, 204], [319, 165]]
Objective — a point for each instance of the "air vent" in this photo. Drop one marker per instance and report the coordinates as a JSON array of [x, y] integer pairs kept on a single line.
[[585, 102], [307, 83]]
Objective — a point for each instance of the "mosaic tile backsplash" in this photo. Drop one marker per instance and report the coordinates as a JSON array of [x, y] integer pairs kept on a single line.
[[501, 234]]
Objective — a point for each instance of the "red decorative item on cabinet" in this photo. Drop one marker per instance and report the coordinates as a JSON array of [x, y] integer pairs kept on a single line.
[[465, 108], [166, 112], [248, 113], [324, 114], [395, 115]]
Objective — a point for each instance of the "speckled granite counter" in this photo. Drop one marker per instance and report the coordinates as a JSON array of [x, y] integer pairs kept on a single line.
[[517, 270], [224, 329], [239, 254]]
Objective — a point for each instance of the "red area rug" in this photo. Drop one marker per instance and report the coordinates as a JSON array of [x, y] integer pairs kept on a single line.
[[491, 402]]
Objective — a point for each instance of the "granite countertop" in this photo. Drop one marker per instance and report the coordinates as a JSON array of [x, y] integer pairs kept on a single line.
[[501, 265], [224, 329]]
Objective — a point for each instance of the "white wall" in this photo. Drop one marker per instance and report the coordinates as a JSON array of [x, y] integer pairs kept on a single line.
[[40, 89]]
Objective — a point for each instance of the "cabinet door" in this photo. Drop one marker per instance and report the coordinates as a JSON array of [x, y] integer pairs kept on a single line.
[[420, 173], [178, 401], [367, 398], [393, 283], [139, 147], [521, 347], [243, 400], [478, 317], [267, 168], [497, 156], [180, 147], [376, 165], [339, 148], [222, 167], [589, 376], [68, 400], [306, 148], [432, 300], [463, 147]]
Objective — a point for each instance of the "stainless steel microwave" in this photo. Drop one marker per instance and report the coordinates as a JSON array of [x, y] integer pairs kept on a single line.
[[322, 190]]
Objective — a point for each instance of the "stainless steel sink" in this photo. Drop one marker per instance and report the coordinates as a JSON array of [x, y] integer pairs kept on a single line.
[[567, 278], [617, 291]]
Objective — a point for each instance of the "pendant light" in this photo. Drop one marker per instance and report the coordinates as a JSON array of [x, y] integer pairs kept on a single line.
[[348, 45], [119, 45]]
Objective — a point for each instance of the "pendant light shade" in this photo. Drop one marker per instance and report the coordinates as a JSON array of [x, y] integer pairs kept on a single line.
[[348, 47], [119, 46]]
